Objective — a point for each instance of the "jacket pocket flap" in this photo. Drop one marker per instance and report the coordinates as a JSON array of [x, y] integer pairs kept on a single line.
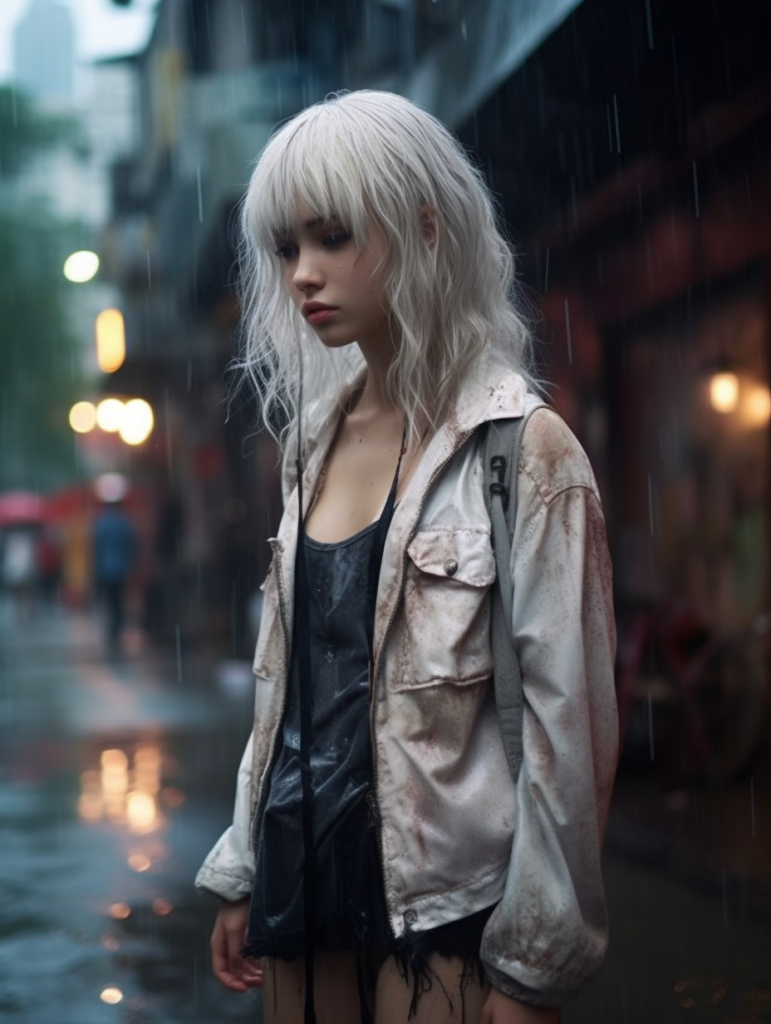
[[460, 554]]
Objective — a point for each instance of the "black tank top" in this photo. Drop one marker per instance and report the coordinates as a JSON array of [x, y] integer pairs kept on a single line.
[[349, 909]]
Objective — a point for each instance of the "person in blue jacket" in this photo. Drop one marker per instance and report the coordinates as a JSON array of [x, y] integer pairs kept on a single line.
[[114, 557]]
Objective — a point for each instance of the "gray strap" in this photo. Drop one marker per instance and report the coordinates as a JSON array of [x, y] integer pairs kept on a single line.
[[503, 442]]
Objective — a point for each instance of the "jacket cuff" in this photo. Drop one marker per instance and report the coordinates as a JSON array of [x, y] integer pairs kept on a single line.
[[223, 884], [523, 993]]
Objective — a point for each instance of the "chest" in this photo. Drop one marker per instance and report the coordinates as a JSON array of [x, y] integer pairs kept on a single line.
[[352, 489]]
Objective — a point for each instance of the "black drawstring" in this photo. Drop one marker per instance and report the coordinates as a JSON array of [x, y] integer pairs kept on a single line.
[[302, 641], [303, 649]]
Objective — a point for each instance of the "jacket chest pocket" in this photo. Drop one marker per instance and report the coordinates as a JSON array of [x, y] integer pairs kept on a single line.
[[445, 634]]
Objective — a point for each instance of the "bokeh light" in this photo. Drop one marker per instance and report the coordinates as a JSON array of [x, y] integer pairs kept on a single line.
[[110, 340], [136, 422], [724, 392], [83, 417], [81, 266], [109, 415]]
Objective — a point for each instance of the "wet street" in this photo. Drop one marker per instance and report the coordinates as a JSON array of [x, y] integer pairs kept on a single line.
[[116, 778]]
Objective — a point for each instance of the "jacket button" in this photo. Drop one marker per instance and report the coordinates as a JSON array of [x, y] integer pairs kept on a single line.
[[410, 917], [450, 566]]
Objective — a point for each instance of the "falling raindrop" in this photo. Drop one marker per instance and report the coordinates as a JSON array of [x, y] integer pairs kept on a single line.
[[649, 23], [567, 332], [178, 637]]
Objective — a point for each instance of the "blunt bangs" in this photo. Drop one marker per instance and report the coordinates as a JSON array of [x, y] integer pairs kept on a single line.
[[306, 161]]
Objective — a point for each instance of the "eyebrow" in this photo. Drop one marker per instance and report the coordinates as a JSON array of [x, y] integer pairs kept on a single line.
[[310, 225]]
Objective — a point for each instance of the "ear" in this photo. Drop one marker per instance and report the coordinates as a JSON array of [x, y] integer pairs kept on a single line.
[[428, 225]]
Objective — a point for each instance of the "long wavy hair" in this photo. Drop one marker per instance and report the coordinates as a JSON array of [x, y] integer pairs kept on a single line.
[[374, 158]]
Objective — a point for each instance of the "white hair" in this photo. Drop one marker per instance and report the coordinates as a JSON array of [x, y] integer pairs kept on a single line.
[[373, 158]]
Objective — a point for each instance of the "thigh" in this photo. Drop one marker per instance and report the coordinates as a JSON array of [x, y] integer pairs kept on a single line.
[[448, 991], [336, 989]]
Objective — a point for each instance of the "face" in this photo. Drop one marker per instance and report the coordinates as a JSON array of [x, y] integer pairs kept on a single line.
[[336, 286]]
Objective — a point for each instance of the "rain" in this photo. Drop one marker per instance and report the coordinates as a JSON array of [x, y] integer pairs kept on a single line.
[[627, 147]]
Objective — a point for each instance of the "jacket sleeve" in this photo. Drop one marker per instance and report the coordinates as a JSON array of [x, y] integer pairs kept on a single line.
[[548, 934], [228, 871]]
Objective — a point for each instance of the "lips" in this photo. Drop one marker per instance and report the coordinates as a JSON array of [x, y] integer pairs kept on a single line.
[[317, 312]]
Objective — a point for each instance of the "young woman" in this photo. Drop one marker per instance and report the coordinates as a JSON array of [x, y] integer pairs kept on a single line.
[[381, 864]]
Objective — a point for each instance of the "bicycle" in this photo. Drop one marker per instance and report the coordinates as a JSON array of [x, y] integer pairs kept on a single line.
[[714, 686]]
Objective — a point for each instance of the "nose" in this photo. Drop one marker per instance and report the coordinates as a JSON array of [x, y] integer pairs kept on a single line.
[[307, 272]]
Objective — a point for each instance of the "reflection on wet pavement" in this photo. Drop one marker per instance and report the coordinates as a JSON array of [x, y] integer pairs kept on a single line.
[[116, 779], [111, 792]]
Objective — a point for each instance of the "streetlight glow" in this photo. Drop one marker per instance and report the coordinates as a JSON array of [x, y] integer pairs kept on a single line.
[[110, 340], [137, 421], [83, 417], [724, 392], [81, 266], [109, 415]]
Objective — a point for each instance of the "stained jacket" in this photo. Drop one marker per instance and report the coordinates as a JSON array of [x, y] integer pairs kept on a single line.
[[456, 835]]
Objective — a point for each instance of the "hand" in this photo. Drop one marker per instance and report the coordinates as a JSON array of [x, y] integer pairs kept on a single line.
[[502, 1009], [227, 941]]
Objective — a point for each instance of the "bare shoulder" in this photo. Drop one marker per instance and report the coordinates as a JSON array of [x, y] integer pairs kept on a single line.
[[552, 456]]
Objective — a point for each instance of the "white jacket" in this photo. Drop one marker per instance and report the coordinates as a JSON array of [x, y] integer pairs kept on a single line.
[[455, 834]]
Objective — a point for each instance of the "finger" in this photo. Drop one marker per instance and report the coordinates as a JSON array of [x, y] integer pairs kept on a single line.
[[221, 964], [254, 977]]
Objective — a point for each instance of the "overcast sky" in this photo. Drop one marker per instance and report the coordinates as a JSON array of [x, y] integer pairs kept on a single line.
[[101, 28]]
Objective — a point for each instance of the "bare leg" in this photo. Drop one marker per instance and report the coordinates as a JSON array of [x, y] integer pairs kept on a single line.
[[336, 989], [450, 994]]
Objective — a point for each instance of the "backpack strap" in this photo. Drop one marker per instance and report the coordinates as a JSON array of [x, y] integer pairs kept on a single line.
[[503, 441]]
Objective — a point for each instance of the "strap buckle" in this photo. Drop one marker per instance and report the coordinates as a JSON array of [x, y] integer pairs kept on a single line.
[[498, 468]]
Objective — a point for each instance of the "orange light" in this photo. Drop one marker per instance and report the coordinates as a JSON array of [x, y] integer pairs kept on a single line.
[[110, 340], [724, 392], [139, 862]]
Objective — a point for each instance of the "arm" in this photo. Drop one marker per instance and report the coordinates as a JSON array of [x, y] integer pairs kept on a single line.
[[548, 935]]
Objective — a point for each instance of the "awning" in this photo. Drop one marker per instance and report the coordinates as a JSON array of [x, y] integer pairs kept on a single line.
[[459, 74]]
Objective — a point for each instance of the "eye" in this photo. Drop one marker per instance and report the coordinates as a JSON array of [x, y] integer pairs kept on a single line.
[[286, 250], [337, 239]]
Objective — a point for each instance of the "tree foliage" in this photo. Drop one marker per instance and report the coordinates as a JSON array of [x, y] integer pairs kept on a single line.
[[25, 132], [39, 356]]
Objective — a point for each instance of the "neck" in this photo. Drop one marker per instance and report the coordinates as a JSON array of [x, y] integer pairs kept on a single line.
[[374, 399]]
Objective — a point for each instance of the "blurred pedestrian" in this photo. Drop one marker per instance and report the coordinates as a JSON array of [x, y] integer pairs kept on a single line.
[[49, 563], [18, 571], [114, 556], [382, 863]]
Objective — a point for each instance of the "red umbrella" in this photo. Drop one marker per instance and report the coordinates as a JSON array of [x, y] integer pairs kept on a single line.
[[19, 507]]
